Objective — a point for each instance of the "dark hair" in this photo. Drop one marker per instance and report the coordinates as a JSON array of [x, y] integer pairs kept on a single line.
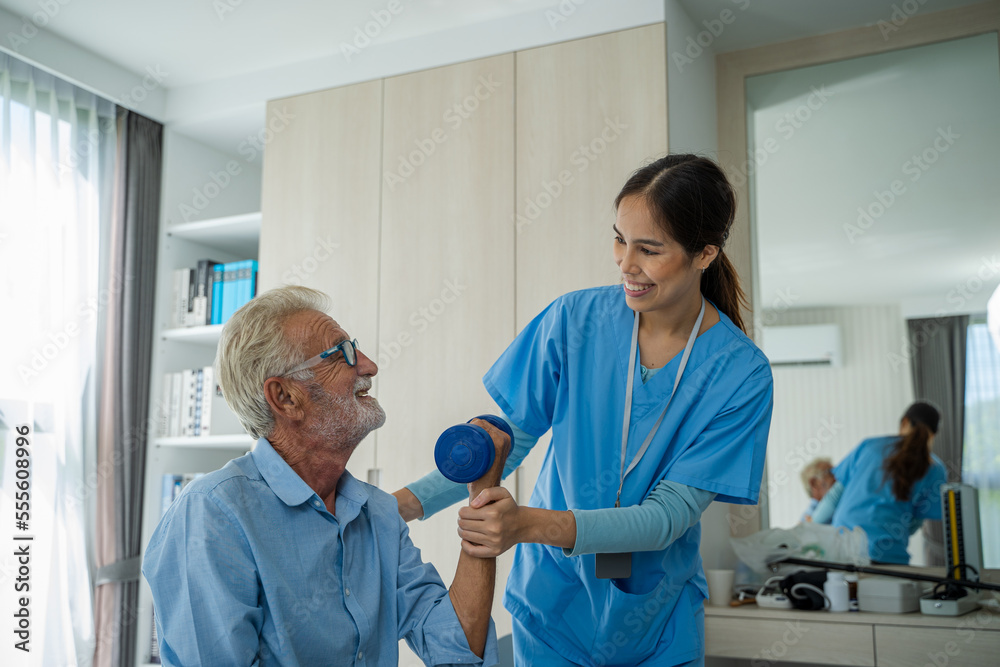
[[695, 205], [911, 457]]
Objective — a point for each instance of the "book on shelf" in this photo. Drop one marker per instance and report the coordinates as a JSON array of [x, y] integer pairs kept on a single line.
[[195, 406], [211, 292], [189, 394], [182, 278], [218, 271], [203, 293]]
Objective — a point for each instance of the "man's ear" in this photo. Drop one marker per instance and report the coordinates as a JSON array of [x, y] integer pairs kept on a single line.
[[286, 397]]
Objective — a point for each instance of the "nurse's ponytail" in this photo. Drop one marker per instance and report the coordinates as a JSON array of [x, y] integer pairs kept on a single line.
[[695, 205], [911, 457]]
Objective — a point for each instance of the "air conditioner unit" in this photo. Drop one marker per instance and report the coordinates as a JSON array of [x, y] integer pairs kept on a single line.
[[812, 344]]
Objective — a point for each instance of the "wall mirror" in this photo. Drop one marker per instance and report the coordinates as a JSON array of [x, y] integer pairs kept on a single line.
[[873, 198]]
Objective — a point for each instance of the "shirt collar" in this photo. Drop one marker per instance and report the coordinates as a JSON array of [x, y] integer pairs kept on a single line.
[[292, 489]]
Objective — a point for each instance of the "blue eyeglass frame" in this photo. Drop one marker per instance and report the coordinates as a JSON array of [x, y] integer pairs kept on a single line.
[[342, 347]]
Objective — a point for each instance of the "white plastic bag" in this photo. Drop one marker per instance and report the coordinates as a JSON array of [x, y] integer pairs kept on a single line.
[[813, 541]]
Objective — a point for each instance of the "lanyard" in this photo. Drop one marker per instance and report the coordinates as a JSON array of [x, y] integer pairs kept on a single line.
[[628, 395]]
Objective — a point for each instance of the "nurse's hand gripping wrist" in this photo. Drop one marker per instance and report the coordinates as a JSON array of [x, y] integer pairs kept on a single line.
[[493, 523]]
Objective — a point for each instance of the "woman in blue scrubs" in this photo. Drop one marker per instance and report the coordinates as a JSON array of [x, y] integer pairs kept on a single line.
[[658, 404], [889, 485]]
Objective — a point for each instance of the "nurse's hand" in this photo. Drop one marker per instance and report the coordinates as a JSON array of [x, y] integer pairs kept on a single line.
[[493, 522], [489, 525]]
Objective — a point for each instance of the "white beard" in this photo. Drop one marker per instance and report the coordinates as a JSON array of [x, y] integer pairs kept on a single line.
[[344, 421]]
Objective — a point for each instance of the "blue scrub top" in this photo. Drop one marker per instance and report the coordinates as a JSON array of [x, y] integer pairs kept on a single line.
[[868, 500], [567, 371]]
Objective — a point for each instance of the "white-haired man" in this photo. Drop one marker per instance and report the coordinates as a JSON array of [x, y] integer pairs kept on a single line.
[[817, 479], [282, 557]]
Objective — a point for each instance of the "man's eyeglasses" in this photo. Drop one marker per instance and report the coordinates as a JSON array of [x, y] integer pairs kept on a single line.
[[348, 348]]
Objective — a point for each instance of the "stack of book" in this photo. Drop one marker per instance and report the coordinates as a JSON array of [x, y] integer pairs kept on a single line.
[[212, 291], [194, 406]]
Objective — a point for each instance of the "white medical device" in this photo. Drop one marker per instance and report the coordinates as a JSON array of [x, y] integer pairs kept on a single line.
[[963, 551]]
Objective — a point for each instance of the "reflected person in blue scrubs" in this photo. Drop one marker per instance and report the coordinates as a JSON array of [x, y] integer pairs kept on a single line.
[[888, 485], [658, 404]]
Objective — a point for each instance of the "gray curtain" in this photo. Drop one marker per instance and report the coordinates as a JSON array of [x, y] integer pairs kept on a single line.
[[938, 367], [127, 319]]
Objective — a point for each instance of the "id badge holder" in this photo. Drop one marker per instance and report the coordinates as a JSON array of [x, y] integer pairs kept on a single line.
[[614, 566]]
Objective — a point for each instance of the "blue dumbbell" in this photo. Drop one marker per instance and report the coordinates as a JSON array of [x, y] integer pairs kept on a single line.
[[465, 452]]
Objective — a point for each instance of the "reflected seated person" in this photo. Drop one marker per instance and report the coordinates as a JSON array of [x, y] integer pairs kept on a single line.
[[889, 485], [282, 557], [817, 478]]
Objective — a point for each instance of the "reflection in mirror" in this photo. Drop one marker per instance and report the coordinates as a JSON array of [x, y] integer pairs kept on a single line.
[[875, 200]]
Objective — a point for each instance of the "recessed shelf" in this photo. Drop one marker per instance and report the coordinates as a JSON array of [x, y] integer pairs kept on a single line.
[[238, 234], [240, 441], [206, 335]]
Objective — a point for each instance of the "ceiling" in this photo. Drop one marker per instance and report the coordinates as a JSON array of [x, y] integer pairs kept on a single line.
[[200, 41], [877, 179]]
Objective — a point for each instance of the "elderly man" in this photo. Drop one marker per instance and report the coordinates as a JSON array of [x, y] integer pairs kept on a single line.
[[282, 557], [817, 478]]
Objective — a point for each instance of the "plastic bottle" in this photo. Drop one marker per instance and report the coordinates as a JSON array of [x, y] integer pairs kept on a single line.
[[836, 589], [852, 587]]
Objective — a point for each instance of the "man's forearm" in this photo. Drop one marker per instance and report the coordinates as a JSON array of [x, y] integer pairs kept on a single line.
[[472, 597], [472, 589]]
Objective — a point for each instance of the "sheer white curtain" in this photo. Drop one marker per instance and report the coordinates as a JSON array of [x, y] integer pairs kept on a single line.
[[56, 153], [981, 453]]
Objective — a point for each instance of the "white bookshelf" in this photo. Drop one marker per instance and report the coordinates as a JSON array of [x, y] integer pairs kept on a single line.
[[204, 335], [241, 442], [235, 233], [223, 239]]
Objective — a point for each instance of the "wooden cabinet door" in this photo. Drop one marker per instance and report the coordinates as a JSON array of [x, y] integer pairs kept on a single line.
[[589, 113], [446, 280], [320, 206]]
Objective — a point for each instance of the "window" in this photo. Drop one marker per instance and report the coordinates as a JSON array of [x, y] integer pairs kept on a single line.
[[981, 449], [56, 146]]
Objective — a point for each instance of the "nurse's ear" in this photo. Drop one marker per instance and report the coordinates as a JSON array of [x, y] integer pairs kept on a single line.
[[704, 259]]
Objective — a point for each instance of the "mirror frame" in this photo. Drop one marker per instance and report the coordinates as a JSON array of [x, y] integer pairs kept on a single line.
[[731, 72]]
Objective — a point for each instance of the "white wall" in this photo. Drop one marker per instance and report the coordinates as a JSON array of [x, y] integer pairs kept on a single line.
[[200, 182], [690, 85]]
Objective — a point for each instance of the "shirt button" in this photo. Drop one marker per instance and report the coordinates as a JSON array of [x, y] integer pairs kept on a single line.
[[361, 655], [317, 503], [347, 591]]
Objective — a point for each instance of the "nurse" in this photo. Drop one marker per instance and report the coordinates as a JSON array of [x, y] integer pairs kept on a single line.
[[889, 485], [658, 404]]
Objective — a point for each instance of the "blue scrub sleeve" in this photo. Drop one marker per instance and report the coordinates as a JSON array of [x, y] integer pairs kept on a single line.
[[927, 494], [653, 525], [826, 507], [436, 492]]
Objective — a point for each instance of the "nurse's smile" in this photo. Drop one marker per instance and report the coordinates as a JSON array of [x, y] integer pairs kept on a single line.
[[634, 289]]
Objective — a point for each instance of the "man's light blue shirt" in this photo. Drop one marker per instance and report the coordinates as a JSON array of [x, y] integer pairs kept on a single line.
[[248, 567]]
